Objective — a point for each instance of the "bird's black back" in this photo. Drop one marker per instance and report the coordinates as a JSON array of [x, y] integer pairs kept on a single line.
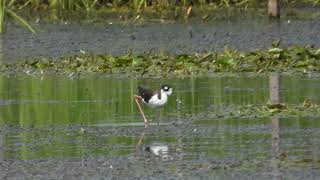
[[146, 94]]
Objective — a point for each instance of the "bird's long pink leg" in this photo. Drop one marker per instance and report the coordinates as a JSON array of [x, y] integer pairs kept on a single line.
[[137, 98]]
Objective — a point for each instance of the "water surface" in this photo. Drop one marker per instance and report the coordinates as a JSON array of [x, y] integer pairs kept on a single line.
[[55, 127], [61, 40]]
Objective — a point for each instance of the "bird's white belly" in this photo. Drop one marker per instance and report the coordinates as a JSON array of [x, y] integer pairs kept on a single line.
[[156, 102]]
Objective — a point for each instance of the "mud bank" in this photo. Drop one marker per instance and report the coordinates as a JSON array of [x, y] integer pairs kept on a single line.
[[116, 39]]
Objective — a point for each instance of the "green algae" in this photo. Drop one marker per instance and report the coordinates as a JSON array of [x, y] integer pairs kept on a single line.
[[294, 59], [266, 110]]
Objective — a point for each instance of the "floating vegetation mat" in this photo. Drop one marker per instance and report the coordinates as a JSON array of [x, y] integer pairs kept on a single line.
[[295, 59], [305, 109]]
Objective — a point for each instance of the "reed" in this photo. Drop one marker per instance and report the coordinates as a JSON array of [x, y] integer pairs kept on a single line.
[[5, 13], [2, 13], [89, 5], [20, 20], [137, 5], [63, 4], [315, 2]]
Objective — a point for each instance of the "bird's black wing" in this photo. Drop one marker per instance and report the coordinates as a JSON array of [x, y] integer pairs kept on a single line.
[[146, 94]]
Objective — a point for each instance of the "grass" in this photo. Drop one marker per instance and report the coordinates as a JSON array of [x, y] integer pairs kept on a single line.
[[2, 14], [6, 12], [19, 20], [163, 8], [292, 59], [71, 5]]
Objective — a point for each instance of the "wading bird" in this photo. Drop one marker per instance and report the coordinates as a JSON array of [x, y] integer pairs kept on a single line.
[[153, 99]]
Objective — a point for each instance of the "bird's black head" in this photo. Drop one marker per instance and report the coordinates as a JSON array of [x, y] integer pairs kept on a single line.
[[166, 89]]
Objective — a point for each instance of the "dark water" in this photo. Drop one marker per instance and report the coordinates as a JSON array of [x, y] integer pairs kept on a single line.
[[68, 39], [60, 128]]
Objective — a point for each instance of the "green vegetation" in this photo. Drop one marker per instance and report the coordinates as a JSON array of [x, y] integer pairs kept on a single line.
[[8, 13], [142, 4], [131, 9], [292, 59], [266, 110]]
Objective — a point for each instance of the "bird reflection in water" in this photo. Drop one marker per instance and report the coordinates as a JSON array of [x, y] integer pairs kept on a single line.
[[157, 149]]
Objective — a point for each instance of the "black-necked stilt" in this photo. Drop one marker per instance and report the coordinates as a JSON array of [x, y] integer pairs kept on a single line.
[[153, 99]]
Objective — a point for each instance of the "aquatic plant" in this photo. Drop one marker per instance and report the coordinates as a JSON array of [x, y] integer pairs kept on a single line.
[[292, 59], [6, 12], [2, 8], [136, 9], [88, 5], [227, 111], [314, 2]]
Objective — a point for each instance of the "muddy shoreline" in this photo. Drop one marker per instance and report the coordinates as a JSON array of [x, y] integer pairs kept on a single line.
[[55, 41]]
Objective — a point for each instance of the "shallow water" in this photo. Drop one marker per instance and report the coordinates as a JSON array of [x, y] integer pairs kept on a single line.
[[116, 39], [62, 128]]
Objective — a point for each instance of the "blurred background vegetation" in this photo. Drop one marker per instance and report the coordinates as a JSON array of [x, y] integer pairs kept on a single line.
[[138, 4], [10, 8]]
